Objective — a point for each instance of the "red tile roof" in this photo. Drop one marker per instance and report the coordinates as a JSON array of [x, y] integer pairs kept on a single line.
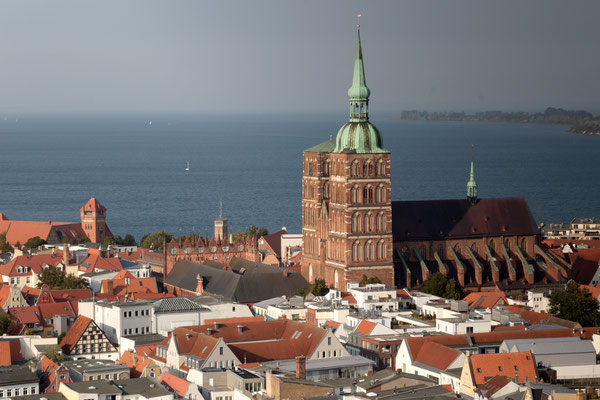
[[74, 333], [365, 327], [137, 363], [34, 262], [95, 261], [508, 328], [235, 320], [332, 324], [489, 388], [273, 240], [485, 299], [534, 318], [22, 231], [258, 341], [93, 205], [436, 355], [347, 296], [10, 351], [403, 294], [175, 384], [511, 365], [500, 336]]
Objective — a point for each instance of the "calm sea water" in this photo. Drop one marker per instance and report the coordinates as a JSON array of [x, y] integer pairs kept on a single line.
[[50, 166]]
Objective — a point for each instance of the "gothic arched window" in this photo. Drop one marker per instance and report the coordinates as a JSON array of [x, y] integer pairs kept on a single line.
[[355, 251]]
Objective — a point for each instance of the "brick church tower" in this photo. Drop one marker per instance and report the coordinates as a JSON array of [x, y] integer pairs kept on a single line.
[[346, 199], [93, 221]]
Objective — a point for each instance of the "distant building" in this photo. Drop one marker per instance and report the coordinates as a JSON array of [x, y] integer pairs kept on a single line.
[[92, 225], [18, 380], [577, 229], [96, 370]]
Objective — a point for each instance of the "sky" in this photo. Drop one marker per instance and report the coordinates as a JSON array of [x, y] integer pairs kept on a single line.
[[191, 56]]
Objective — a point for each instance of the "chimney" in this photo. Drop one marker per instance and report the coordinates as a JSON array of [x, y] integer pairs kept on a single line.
[[300, 367], [240, 328], [216, 326], [66, 256], [200, 286], [209, 331]]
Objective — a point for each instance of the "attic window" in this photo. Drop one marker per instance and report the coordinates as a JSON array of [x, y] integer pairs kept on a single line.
[[527, 357], [479, 370], [499, 368], [516, 368]]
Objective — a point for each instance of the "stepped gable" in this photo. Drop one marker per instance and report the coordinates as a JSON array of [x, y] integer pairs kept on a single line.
[[441, 219], [520, 366], [246, 282]]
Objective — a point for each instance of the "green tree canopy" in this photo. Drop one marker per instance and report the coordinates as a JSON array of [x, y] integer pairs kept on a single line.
[[318, 288], [439, 285], [35, 242], [57, 279], [155, 240], [365, 281], [5, 247], [128, 240], [575, 304], [54, 354], [6, 320], [253, 232]]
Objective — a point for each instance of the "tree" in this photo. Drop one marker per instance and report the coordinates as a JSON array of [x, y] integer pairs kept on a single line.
[[53, 354], [5, 247], [57, 279], [6, 321], [155, 240], [439, 285], [318, 288], [366, 281], [34, 242], [575, 304], [128, 240], [61, 337]]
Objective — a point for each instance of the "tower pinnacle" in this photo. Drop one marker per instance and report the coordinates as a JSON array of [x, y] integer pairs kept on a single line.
[[472, 186], [359, 135]]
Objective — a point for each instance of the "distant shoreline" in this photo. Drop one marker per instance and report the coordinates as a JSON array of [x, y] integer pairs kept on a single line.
[[578, 121]]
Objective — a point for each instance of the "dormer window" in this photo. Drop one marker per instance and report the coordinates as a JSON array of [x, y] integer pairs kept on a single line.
[[173, 250], [225, 249], [200, 249], [213, 249], [187, 250]]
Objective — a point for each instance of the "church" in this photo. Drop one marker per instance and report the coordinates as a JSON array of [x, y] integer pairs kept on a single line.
[[351, 227]]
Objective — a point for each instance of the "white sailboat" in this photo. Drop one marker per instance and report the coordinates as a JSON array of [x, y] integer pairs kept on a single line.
[[188, 166]]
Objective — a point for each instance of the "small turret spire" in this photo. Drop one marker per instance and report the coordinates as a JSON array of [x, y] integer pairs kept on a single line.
[[472, 185]]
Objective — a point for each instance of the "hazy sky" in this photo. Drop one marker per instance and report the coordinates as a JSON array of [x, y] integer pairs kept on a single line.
[[296, 56]]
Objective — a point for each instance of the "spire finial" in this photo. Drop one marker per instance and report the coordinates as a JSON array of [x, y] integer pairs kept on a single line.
[[471, 184], [220, 208], [358, 20]]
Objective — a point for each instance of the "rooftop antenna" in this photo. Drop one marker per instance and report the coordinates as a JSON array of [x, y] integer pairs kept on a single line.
[[220, 208]]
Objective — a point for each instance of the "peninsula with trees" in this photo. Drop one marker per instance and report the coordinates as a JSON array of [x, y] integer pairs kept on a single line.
[[579, 121]]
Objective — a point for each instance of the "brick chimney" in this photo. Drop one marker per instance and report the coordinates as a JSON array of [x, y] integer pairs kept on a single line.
[[200, 286], [300, 367]]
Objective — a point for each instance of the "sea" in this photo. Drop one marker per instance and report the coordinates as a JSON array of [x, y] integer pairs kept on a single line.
[[135, 166]]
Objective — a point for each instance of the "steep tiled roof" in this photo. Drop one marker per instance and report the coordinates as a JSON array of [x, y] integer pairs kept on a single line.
[[26, 315], [430, 352], [135, 362], [234, 320], [437, 219], [120, 287], [174, 384], [73, 335], [332, 324], [365, 327], [511, 365], [22, 231], [403, 294], [93, 205], [348, 297], [500, 336], [485, 299], [4, 294], [274, 241], [489, 388], [34, 262], [10, 351]]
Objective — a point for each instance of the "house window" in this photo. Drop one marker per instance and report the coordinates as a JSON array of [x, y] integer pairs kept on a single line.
[[125, 314], [17, 391], [221, 350], [8, 392], [25, 391], [469, 329]]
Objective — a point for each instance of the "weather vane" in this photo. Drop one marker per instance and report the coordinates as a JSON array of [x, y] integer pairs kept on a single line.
[[358, 20]]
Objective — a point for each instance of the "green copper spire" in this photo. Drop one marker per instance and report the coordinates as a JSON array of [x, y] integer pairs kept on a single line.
[[359, 135], [472, 186]]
